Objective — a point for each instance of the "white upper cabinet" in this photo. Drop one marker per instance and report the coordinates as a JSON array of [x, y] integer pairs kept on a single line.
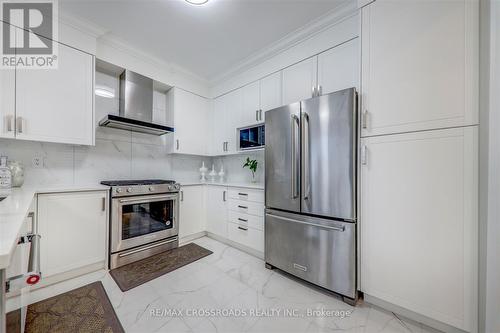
[[189, 115], [419, 65], [7, 100], [299, 80], [227, 115], [270, 93], [338, 68], [57, 105], [251, 112], [419, 224], [219, 125]]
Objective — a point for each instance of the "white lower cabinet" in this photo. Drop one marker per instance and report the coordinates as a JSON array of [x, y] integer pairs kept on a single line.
[[192, 218], [217, 210], [419, 223], [246, 236], [73, 228]]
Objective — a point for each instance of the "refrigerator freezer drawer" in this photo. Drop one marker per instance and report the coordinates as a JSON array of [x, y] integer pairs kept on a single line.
[[320, 251]]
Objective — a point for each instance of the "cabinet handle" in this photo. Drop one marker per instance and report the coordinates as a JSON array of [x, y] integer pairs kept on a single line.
[[223, 195], [104, 204], [260, 114], [244, 194], [313, 91], [177, 144], [19, 122], [182, 195], [241, 228], [319, 90], [256, 115], [242, 207], [242, 220], [364, 121], [9, 119], [364, 152]]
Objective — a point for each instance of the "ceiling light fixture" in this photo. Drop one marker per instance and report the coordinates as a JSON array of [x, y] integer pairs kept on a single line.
[[197, 2], [105, 92]]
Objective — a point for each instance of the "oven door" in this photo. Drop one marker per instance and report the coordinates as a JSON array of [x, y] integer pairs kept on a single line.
[[140, 220]]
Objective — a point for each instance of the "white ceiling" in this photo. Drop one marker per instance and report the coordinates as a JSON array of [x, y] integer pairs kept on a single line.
[[206, 40]]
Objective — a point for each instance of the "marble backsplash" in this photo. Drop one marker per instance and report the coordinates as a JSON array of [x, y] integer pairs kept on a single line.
[[233, 167], [108, 159]]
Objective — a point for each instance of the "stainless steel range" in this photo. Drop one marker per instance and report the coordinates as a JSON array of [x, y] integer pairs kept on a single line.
[[144, 219]]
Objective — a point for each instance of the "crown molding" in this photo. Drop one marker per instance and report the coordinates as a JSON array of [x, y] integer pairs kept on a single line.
[[104, 36], [85, 26], [344, 10], [118, 44]]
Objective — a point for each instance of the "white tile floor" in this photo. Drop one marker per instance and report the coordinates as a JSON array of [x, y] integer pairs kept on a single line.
[[232, 280]]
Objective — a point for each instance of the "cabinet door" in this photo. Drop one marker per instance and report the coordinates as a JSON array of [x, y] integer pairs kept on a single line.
[[56, 105], [250, 113], [73, 227], [219, 126], [7, 98], [270, 93], [338, 68], [217, 197], [299, 80], [419, 65], [233, 114], [192, 210], [419, 223], [191, 116]]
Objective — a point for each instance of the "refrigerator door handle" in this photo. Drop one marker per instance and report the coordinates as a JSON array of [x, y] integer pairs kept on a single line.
[[329, 227], [294, 156], [305, 155]]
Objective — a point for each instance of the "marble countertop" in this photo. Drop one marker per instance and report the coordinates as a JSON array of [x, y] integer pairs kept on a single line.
[[257, 186], [15, 207]]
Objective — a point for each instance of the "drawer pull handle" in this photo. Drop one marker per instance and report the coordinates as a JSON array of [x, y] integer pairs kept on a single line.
[[242, 220], [244, 194], [244, 229], [242, 207]]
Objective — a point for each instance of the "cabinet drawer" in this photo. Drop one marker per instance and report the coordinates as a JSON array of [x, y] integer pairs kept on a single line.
[[246, 207], [252, 221], [246, 236], [246, 194]]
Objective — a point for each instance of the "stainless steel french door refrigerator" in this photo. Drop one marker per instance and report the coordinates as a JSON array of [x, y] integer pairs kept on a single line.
[[310, 223]]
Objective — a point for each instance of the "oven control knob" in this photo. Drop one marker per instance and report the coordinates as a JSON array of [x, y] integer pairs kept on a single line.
[[129, 189], [177, 186], [151, 189], [170, 188], [118, 190]]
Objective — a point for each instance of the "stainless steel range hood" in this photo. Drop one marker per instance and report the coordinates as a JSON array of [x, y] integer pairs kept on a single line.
[[136, 106]]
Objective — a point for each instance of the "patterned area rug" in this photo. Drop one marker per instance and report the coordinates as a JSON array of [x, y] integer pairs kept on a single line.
[[142, 271], [86, 309]]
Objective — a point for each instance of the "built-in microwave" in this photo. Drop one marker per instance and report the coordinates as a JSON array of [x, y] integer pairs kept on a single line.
[[251, 137]]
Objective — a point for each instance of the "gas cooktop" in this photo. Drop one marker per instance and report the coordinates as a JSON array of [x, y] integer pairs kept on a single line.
[[136, 182]]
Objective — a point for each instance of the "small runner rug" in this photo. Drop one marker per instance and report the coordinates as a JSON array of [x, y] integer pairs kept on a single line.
[[142, 271], [86, 309]]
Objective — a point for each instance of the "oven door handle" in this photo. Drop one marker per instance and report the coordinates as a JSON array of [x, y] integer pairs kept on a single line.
[[148, 198]]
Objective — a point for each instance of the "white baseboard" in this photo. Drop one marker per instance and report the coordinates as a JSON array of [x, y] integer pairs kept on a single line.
[[431, 324], [239, 246]]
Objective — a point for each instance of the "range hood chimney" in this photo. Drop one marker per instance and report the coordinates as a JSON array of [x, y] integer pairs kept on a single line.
[[136, 106]]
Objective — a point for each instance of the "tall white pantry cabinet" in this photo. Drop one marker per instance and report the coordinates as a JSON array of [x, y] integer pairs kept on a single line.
[[419, 158]]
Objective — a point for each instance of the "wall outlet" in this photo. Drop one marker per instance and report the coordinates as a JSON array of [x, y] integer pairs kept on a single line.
[[37, 162]]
